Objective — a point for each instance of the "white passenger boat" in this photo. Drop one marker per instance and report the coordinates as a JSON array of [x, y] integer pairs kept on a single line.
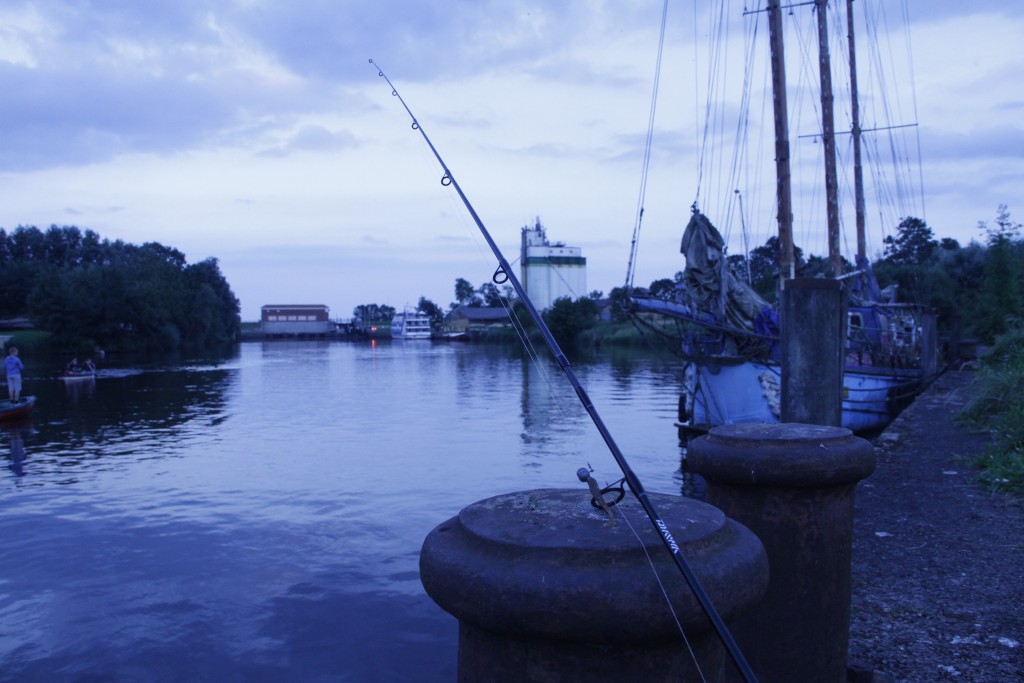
[[410, 325]]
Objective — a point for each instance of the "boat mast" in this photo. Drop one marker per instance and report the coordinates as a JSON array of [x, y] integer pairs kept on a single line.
[[787, 265], [828, 135], [858, 173]]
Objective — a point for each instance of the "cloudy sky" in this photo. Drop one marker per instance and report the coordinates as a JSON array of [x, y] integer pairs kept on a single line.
[[256, 132]]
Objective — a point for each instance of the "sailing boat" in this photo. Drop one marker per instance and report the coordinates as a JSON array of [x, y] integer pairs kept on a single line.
[[730, 336]]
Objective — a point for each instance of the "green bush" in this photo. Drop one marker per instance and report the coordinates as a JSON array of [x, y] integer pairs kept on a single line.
[[568, 319], [997, 404]]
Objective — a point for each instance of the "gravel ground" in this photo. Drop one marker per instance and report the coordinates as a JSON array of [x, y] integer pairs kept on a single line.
[[938, 561]]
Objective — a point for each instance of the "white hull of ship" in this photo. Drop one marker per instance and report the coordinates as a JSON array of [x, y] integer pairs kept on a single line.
[[411, 335]]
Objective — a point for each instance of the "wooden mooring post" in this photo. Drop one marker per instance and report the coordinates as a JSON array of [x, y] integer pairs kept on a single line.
[[813, 351]]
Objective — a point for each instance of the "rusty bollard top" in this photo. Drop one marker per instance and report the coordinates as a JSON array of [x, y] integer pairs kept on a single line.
[[792, 454], [546, 563]]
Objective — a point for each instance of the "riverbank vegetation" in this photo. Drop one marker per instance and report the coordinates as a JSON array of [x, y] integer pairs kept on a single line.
[[89, 293], [997, 405]]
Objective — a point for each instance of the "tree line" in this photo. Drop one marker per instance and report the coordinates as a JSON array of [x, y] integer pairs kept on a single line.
[[90, 292], [981, 284]]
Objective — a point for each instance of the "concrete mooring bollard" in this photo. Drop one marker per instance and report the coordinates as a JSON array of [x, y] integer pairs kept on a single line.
[[545, 588], [792, 485]]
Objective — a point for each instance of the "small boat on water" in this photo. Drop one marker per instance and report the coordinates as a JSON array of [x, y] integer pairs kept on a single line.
[[410, 325], [14, 411], [77, 375]]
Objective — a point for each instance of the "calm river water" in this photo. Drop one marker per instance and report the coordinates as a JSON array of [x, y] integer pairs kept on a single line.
[[259, 517]]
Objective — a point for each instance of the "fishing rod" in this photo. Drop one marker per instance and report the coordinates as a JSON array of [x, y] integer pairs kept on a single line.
[[505, 274]]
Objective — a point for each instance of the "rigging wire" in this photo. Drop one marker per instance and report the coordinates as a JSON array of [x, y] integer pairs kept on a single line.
[[696, 94], [892, 187], [895, 184], [899, 195], [885, 197], [895, 151], [715, 53], [762, 140], [741, 142], [504, 273], [913, 99], [844, 154], [721, 33], [814, 201], [631, 265], [898, 152]]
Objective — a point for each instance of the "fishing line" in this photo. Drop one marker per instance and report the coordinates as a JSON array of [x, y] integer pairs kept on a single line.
[[505, 270], [534, 355], [612, 509], [664, 592], [522, 331]]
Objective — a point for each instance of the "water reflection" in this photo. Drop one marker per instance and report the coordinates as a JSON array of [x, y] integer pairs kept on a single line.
[[540, 405], [627, 388], [79, 388], [129, 409], [624, 380], [259, 516], [16, 443], [693, 485]]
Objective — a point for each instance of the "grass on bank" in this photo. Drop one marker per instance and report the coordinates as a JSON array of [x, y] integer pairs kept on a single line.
[[27, 341], [601, 334], [997, 405]]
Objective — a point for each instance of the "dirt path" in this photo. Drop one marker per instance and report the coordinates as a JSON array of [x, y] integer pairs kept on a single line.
[[938, 561]]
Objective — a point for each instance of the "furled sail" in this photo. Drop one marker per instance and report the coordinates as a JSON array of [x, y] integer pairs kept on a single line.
[[711, 287]]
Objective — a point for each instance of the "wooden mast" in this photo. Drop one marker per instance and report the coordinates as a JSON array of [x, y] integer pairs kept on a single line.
[[828, 134], [787, 265], [858, 173]]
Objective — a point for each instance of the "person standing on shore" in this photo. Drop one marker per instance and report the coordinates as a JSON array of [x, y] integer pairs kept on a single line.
[[13, 367]]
